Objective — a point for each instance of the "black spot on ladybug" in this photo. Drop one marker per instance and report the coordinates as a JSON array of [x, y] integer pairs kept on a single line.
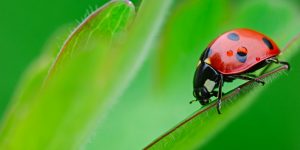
[[268, 43], [241, 54], [240, 58], [233, 37]]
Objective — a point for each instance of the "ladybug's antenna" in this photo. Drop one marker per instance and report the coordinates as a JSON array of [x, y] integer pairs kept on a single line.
[[193, 101], [291, 42]]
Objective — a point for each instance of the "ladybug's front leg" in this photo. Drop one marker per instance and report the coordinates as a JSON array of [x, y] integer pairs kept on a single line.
[[220, 93]]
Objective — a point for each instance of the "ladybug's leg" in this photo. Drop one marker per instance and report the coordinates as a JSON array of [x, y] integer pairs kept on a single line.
[[248, 78], [220, 94], [271, 60], [276, 61]]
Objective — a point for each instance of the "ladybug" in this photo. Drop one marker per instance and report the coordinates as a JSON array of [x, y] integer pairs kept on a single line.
[[232, 55]]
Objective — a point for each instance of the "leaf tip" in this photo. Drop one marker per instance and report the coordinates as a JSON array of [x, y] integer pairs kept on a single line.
[[129, 3]]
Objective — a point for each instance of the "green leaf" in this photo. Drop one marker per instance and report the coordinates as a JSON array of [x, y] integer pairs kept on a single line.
[[51, 118], [96, 32]]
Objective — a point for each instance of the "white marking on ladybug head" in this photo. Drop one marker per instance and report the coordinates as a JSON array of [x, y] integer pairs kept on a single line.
[[207, 60], [209, 84]]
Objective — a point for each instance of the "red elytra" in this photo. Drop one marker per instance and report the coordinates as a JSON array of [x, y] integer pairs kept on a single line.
[[253, 46]]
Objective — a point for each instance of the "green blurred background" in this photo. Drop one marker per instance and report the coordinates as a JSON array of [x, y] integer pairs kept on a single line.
[[25, 27], [272, 122]]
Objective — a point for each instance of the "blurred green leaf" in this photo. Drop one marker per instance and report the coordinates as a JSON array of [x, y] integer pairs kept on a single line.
[[96, 32], [32, 80], [51, 112]]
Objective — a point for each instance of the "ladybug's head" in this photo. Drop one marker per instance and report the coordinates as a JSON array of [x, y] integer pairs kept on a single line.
[[202, 95], [205, 80]]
